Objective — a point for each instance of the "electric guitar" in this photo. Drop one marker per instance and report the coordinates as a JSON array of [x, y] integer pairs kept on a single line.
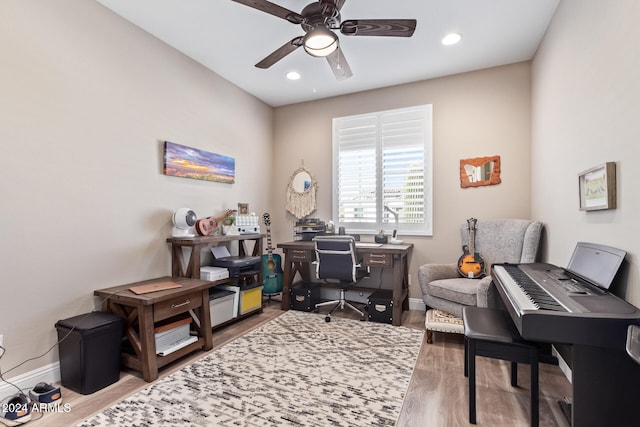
[[470, 264], [206, 226], [271, 265]]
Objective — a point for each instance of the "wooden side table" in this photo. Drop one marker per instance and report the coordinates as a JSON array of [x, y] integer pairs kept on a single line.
[[142, 312]]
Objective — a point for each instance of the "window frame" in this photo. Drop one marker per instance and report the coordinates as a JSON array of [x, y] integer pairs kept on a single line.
[[383, 220]]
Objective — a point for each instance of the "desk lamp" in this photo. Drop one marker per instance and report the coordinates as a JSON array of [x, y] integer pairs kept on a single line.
[[394, 240]]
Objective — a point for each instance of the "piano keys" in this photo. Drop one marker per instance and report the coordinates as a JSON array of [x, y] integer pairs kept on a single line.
[[546, 311]]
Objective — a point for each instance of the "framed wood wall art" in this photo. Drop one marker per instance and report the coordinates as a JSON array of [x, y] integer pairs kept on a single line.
[[480, 171], [597, 187]]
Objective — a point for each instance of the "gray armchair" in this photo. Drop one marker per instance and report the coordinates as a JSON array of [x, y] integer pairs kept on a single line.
[[500, 240]]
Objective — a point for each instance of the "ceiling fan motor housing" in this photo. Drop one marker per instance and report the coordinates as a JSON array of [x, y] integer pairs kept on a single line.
[[316, 14]]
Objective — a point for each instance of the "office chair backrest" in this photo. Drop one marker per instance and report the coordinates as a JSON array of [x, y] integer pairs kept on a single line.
[[336, 258]]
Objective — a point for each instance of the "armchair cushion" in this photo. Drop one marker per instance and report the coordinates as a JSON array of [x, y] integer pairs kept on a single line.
[[459, 289]]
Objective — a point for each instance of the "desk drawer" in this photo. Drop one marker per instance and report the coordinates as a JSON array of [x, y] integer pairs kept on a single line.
[[378, 260], [300, 255], [166, 309]]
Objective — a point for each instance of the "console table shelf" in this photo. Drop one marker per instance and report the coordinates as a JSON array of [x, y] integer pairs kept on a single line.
[[191, 268], [195, 245]]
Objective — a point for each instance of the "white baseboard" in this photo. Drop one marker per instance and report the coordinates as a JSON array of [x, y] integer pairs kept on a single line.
[[566, 370], [417, 304], [48, 374]]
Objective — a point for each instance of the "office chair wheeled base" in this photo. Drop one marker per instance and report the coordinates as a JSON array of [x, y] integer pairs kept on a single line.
[[342, 303]]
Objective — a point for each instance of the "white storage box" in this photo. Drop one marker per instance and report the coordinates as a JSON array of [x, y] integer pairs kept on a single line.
[[221, 305], [236, 297], [167, 336], [213, 273]]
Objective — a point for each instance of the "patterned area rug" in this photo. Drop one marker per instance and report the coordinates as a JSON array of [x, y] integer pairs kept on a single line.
[[296, 370]]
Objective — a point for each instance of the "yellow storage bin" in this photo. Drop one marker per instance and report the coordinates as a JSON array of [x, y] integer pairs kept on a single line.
[[250, 298]]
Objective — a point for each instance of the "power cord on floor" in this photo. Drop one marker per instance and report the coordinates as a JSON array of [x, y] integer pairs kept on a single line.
[[49, 349]]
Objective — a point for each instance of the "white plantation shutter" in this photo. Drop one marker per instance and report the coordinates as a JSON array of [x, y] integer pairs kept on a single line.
[[383, 159]]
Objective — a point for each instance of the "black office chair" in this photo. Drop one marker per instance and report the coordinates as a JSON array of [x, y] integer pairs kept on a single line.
[[337, 262]]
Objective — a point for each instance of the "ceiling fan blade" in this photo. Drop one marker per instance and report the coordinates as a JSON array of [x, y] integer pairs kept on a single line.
[[280, 53], [339, 65], [273, 9], [379, 27], [337, 4]]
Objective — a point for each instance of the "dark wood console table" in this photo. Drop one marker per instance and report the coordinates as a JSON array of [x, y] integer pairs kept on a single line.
[[142, 312], [298, 256]]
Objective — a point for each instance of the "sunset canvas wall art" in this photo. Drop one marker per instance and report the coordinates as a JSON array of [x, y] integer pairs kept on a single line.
[[188, 162]]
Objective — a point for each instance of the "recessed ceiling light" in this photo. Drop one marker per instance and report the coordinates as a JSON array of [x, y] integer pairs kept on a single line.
[[293, 75], [451, 38]]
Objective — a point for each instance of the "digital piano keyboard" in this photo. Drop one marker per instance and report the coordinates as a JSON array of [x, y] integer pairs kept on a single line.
[[547, 305]]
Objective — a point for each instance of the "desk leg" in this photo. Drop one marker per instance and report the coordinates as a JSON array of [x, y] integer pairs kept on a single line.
[[400, 286], [290, 269], [405, 282], [287, 281], [147, 343], [397, 291]]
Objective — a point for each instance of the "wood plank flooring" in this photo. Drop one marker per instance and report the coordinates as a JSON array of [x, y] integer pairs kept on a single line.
[[437, 394]]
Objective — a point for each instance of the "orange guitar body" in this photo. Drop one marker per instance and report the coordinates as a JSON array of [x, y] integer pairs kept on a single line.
[[470, 264]]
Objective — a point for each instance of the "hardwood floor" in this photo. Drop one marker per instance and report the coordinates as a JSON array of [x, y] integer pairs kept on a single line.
[[437, 394]]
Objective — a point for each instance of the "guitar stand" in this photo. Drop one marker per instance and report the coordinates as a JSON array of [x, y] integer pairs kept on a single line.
[[269, 298]]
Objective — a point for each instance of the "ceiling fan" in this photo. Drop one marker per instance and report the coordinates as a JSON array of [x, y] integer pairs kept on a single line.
[[318, 19]]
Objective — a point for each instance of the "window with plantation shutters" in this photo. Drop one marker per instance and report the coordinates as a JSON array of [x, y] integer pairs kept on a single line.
[[383, 160]]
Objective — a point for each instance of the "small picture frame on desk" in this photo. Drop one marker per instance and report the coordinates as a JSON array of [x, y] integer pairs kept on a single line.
[[597, 187]]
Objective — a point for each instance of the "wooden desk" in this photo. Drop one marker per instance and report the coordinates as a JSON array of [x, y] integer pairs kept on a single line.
[[141, 312], [298, 256]]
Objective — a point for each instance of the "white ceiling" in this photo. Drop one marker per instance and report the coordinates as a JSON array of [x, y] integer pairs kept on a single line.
[[230, 38]]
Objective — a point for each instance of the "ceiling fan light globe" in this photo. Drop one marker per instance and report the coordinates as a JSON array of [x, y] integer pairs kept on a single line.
[[320, 42]]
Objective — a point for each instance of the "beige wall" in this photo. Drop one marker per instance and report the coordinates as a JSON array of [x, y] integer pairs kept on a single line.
[[586, 106], [482, 113], [87, 100]]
